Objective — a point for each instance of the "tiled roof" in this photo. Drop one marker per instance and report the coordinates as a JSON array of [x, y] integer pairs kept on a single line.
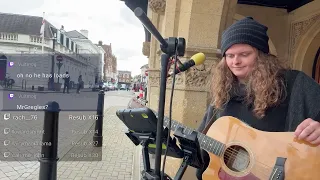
[[76, 34], [24, 24]]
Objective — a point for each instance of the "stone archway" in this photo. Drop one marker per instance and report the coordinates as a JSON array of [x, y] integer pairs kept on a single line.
[[3, 66], [307, 47]]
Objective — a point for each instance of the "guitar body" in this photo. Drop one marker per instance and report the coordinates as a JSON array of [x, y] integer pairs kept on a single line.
[[252, 153]]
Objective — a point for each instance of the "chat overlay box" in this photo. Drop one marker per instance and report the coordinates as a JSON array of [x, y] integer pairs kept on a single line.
[[32, 74], [22, 132]]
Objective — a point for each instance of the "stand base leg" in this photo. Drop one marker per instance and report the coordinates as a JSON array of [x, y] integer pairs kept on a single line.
[[182, 168], [151, 176]]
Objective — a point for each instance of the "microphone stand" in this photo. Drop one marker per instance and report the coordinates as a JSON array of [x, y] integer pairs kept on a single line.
[[169, 47]]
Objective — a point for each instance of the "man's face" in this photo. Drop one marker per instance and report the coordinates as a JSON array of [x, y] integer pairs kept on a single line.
[[240, 59]]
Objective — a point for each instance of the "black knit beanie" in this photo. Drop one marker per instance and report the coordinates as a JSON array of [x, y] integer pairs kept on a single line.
[[246, 31]]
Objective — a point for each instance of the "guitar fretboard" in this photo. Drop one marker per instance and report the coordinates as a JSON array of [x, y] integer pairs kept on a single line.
[[206, 142]]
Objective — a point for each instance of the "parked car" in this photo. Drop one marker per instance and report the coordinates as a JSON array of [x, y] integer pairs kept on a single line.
[[123, 87], [105, 87], [99, 86], [111, 87]]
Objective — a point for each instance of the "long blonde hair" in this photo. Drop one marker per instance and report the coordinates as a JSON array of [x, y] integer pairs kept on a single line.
[[264, 88]]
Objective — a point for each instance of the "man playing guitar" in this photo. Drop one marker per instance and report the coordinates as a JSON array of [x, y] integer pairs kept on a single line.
[[254, 86]]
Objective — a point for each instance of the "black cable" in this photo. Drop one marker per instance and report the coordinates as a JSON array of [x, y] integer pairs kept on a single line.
[[170, 113]]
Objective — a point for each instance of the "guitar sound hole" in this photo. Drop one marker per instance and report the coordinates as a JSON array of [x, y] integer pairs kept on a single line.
[[236, 158]]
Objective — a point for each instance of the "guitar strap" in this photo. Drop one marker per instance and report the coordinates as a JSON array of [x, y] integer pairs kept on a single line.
[[290, 78], [211, 121]]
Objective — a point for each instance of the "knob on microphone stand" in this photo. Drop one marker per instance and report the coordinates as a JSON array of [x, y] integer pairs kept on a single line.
[[179, 66], [179, 63]]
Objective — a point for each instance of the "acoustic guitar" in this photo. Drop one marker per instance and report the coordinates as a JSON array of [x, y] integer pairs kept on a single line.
[[240, 152]]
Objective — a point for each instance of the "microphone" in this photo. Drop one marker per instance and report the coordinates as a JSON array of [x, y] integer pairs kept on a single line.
[[195, 60]]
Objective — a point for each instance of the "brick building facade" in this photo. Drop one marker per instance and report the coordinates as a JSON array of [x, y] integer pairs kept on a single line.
[[110, 63], [124, 77]]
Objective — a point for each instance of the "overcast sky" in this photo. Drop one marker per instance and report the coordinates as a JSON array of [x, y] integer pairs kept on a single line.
[[108, 20]]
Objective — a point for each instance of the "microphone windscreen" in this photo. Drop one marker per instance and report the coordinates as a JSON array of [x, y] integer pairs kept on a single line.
[[198, 58]]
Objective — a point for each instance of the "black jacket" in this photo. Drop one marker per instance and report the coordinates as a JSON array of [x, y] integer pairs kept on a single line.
[[303, 101]]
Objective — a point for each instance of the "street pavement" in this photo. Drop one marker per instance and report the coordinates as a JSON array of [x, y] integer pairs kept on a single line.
[[117, 159]]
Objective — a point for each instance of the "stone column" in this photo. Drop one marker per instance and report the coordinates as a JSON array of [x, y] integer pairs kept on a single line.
[[156, 11], [201, 23]]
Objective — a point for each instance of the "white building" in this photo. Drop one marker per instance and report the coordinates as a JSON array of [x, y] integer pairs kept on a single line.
[[21, 43], [87, 48], [102, 62]]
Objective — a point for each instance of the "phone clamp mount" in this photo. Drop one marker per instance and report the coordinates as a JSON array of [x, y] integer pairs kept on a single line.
[[192, 153]]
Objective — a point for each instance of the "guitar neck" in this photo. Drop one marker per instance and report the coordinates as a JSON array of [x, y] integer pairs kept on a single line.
[[207, 143]]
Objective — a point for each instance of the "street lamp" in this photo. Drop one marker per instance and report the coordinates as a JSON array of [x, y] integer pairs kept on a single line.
[[51, 79]]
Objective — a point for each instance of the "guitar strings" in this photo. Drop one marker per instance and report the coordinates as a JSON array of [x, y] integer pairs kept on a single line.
[[243, 155], [230, 154], [233, 150], [257, 169], [266, 171]]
